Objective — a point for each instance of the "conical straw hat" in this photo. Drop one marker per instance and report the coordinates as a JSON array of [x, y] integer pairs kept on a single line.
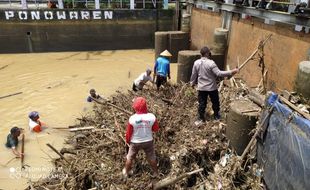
[[165, 53]]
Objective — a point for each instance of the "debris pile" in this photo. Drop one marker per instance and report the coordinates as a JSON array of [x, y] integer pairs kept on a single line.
[[96, 157]]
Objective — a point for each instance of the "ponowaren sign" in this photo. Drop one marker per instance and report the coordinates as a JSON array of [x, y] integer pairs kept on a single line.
[[29, 15]]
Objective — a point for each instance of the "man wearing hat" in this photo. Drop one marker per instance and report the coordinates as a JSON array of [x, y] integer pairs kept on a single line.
[[162, 68], [12, 141], [35, 125], [141, 80], [204, 73]]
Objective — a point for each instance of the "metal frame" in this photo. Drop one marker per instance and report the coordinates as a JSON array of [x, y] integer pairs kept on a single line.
[[263, 14]]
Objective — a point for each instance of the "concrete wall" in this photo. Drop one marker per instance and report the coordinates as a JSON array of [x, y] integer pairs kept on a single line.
[[282, 53], [203, 24], [129, 30]]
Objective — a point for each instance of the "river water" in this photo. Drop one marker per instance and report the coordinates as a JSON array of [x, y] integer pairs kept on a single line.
[[56, 85]]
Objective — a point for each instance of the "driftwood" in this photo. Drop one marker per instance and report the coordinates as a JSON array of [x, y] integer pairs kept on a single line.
[[262, 79], [22, 151], [81, 128], [9, 95], [168, 101], [262, 43], [248, 111], [256, 97], [68, 151], [56, 151], [170, 181], [307, 116], [3, 67], [100, 155], [112, 105]]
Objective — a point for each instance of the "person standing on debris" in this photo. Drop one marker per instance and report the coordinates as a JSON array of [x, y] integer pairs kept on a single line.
[[204, 73], [35, 125], [142, 80], [12, 141], [93, 94], [162, 68], [139, 135]]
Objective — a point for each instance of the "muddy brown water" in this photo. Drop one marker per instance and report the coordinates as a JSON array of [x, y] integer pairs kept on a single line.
[[56, 85]]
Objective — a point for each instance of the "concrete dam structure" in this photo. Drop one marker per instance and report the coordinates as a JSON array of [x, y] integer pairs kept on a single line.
[[50, 30]]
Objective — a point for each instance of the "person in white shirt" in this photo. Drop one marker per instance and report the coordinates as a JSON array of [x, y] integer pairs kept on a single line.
[[142, 80], [139, 135], [35, 125]]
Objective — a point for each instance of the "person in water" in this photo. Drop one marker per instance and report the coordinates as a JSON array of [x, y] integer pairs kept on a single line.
[[12, 141], [35, 125]]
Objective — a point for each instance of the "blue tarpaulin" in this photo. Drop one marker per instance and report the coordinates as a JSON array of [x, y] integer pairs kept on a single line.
[[284, 149]]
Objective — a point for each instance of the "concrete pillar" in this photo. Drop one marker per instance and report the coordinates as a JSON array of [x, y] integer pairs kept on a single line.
[[132, 4], [186, 59], [303, 79], [60, 4], [220, 40], [241, 120], [185, 22], [173, 41], [178, 41], [97, 4], [219, 47], [161, 42]]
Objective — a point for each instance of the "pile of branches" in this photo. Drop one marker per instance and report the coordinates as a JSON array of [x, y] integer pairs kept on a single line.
[[96, 157]]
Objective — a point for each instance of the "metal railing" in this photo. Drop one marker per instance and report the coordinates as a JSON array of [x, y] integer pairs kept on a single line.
[[88, 4]]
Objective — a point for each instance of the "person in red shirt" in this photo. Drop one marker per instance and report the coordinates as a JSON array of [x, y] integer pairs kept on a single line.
[[139, 135], [35, 125]]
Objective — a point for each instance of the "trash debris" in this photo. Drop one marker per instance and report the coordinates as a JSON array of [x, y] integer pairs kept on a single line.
[[180, 146]]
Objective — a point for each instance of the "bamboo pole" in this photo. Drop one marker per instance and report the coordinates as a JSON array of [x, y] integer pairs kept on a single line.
[[262, 43], [170, 181], [307, 116], [22, 151], [81, 128], [112, 105], [9, 95], [56, 151]]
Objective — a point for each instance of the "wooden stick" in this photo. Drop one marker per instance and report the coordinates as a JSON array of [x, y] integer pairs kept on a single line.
[[307, 116], [3, 67], [63, 128], [14, 94], [110, 104], [81, 128], [22, 151], [56, 151], [170, 181], [4, 165], [248, 111], [118, 128], [261, 80], [255, 51], [178, 95]]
